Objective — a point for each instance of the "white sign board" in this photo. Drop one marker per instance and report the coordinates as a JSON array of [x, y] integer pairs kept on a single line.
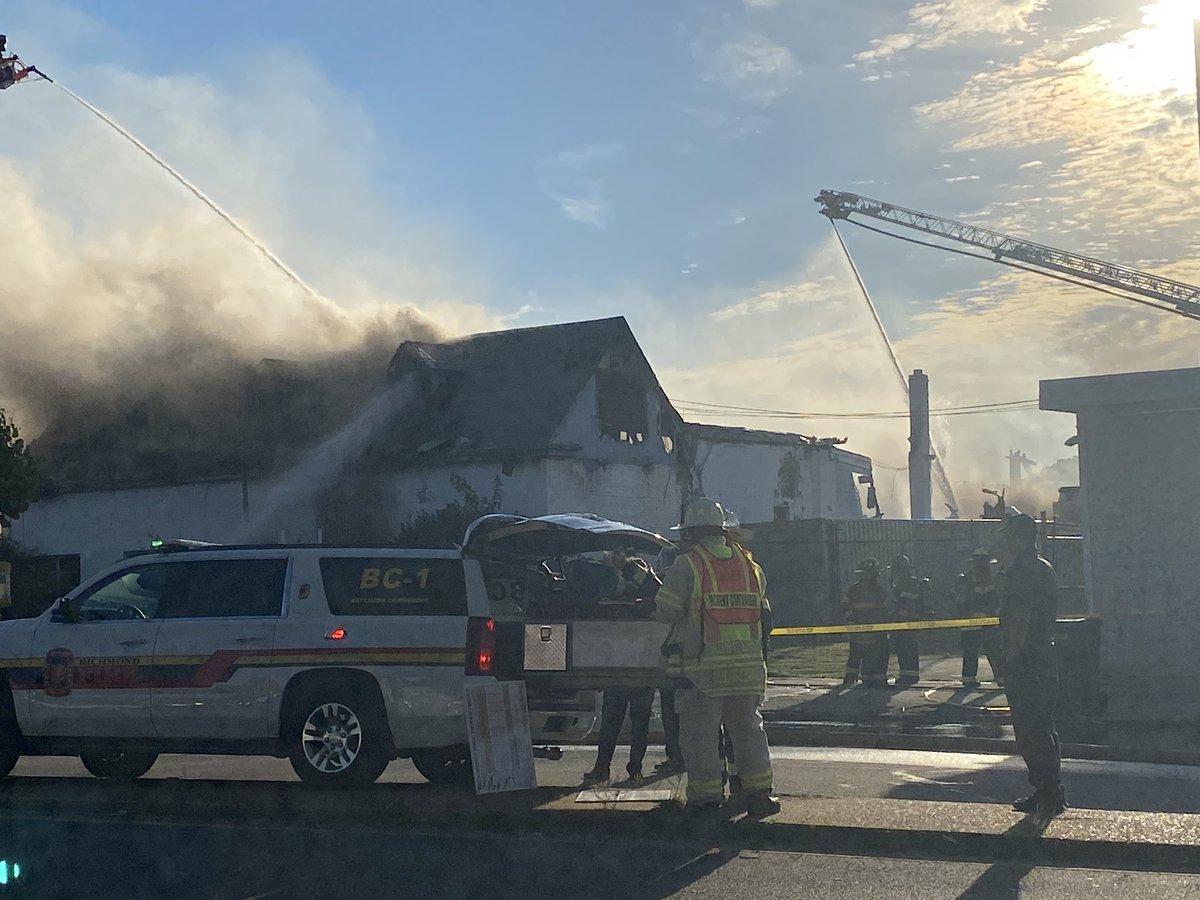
[[498, 732]]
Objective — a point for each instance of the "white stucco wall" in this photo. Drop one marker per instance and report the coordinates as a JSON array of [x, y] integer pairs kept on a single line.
[[647, 496], [745, 478], [101, 525], [581, 426], [522, 493]]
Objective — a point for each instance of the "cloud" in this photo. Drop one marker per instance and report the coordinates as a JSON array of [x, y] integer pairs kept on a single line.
[[1110, 126], [939, 23], [570, 179], [754, 70], [579, 157]]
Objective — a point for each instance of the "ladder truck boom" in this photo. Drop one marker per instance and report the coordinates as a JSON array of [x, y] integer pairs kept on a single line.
[[1183, 298]]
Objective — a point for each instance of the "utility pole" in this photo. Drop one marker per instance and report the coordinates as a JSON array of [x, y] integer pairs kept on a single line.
[[1196, 37], [920, 490]]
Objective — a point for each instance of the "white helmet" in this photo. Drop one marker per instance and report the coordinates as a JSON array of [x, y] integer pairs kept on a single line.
[[703, 513]]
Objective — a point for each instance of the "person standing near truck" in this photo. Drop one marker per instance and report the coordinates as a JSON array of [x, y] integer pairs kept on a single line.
[[714, 597]]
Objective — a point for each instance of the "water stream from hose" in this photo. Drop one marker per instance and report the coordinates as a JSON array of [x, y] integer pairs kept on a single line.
[[195, 191], [939, 473]]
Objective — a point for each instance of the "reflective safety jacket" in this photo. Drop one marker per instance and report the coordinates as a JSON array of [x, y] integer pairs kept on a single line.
[[715, 597]]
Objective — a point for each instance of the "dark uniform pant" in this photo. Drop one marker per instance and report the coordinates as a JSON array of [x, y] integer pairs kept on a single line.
[[670, 719], [638, 701], [908, 654], [975, 642], [1032, 691], [868, 658]]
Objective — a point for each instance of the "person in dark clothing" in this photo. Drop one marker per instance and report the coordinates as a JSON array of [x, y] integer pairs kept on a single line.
[[976, 590], [617, 701], [912, 600], [670, 718], [1028, 608], [866, 602]]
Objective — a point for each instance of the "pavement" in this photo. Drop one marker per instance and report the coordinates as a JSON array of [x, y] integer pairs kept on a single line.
[[862, 803]]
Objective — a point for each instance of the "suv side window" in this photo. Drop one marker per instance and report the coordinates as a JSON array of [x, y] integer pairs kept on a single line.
[[394, 586], [133, 594], [225, 588]]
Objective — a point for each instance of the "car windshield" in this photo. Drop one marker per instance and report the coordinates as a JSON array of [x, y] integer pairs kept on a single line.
[[624, 449]]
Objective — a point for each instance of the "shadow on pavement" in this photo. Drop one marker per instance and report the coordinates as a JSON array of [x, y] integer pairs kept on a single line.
[[1094, 789]]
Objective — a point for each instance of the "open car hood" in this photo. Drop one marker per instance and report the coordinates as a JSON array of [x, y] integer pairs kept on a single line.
[[515, 537]]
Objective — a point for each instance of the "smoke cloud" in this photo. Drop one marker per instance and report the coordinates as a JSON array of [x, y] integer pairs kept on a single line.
[[142, 338]]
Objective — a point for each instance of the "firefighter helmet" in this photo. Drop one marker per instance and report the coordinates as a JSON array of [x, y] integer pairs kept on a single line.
[[703, 513]]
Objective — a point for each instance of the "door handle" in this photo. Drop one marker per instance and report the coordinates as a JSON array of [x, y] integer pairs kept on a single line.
[[134, 643], [249, 640]]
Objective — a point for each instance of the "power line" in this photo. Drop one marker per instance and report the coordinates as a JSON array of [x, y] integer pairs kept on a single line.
[[750, 412]]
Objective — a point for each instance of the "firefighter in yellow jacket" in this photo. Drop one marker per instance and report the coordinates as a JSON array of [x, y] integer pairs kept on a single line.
[[714, 597]]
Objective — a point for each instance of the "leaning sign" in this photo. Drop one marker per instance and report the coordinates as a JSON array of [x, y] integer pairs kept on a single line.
[[498, 731]]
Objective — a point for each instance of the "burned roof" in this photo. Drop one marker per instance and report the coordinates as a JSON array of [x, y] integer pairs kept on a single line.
[[499, 393]]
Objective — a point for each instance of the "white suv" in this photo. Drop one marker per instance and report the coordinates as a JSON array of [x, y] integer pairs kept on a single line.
[[339, 658]]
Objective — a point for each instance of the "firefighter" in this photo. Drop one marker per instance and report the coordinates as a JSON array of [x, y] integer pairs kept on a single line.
[[1028, 608], [714, 599], [865, 603], [976, 590], [911, 600]]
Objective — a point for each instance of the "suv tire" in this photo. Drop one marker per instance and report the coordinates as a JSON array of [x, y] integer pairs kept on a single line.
[[337, 735], [450, 766], [118, 765]]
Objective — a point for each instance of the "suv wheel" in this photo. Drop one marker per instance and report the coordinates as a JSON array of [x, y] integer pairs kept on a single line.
[[338, 737], [118, 765], [449, 766]]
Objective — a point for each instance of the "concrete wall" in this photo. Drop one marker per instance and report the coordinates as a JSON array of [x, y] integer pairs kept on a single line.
[[1141, 512], [581, 427]]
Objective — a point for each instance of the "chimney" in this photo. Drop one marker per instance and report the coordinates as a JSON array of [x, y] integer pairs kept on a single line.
[[920, 491]]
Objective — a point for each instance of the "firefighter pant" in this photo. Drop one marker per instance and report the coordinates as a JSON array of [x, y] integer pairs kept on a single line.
[[908, 654], [612, 716], [700, 718], [974, 642], [1032, 692], [670, 718], [868, 658]]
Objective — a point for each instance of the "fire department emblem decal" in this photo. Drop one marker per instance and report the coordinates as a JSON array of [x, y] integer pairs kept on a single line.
[[56, 672]]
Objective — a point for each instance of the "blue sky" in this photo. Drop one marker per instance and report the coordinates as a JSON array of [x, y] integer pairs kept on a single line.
[[512, 164]]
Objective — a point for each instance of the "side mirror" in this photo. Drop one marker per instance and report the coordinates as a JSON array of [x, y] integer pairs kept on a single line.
[[64, 612]]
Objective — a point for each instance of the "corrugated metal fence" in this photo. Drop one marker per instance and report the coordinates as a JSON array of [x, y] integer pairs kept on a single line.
[[809, 563]]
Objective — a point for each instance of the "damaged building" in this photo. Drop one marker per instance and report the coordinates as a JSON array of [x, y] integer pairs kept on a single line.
[[529, 421]]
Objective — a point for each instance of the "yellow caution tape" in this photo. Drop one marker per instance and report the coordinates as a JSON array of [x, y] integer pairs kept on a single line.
[[982, 622]]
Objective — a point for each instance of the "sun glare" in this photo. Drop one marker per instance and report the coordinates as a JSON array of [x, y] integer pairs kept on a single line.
[[1159, 56]]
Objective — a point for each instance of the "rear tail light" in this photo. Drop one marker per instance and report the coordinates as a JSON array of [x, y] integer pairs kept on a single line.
[[481, 645]]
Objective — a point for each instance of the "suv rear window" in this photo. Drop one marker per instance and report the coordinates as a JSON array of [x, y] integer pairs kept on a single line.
[[394, 586]]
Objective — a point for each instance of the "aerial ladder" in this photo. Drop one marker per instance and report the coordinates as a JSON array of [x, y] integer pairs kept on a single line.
[[1075, 268]]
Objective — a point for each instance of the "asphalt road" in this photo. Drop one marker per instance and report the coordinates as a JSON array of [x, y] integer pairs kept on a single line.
[[109, 859], [799, 772]]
